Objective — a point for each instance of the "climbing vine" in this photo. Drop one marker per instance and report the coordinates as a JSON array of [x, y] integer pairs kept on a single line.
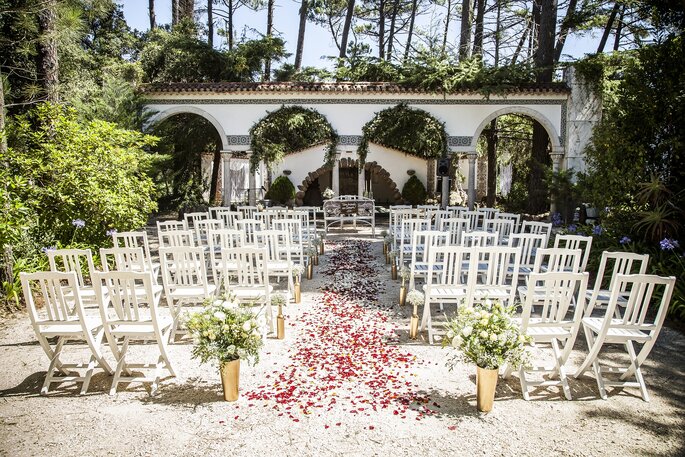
[[410, 130], [288, 130]]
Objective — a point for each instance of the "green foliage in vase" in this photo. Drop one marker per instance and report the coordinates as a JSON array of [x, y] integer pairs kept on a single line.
[[413, 191], [287, 130], [406, 129], [282, 190], [223, 332]]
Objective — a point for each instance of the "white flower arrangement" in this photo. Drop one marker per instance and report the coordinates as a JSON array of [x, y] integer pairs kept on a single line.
[[297, 270], [457, 198], [487, 336], [278, 300], [405, 273], [388, 239], [328, 193], [415, 298]]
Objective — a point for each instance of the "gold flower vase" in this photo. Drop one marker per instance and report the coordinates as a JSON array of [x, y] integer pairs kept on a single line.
[[486, 382], [321, 248], [310, 269], [298, 291], [414, 326], [280, 324], [393, 271], [230, 377], [387, 257], [403, 295], [385, 249], [316, 260]]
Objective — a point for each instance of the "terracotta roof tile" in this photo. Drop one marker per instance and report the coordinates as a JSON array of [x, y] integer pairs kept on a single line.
[[343, 87]]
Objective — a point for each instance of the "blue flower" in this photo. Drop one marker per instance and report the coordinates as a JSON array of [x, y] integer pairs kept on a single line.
[[45, 249], [625, 240], [78, 223], [572, 228], [111, 232], [556, 219], [597, 230], [668, 244]]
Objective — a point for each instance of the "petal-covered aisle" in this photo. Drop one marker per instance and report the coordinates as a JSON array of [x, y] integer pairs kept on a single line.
[[345, 361]]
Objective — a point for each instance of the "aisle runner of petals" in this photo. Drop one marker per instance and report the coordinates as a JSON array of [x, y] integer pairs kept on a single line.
[[344, 359]]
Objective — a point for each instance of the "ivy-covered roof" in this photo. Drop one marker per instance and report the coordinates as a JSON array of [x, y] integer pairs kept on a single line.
[[225, 88]]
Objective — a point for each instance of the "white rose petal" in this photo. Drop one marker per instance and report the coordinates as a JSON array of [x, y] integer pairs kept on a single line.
[[493, 337], [247, 326], [484, 334], [220, 315], [456, 342], [467, 331]]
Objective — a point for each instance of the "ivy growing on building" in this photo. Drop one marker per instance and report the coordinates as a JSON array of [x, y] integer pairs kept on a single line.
[[406, 129], [288, 130]]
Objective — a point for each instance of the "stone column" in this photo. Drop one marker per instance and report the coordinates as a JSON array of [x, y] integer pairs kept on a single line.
[[472, 156], [226, 162], [252, 189], [206, 167], [557, 159], [361, 179], [430, 177], [335, 178]]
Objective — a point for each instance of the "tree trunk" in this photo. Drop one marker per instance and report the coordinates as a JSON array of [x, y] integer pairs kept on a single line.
[[214, 191], [410, 33], [492, 163], [174, 12], [346, 28], [269, 29], [391, 35], [544, 54], [48, 63], [229, 25], [186, 9], [381, 28], [607, 29], [210, 24], [465, 32], [521, 42], [300, 34], [564, 29], [540, 160], [151, 7], [619, 28], [478, 35], [447, 26]]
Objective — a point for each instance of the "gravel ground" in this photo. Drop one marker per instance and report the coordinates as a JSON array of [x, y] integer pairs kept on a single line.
[[189, 417]]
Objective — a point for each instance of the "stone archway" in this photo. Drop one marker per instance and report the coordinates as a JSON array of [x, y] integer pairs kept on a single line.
[[311, 177]]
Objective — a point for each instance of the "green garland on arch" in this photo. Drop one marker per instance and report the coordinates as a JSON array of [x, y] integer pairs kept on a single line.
[[412, 131], [288, 130]]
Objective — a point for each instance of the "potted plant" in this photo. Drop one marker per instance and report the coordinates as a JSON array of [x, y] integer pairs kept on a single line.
[[279, 300], [225, 333], [415, 298], [487, 336]]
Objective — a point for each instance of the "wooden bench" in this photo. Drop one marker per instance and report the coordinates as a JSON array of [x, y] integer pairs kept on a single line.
[[350, 208]]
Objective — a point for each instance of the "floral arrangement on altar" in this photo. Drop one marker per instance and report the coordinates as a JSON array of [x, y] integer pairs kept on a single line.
[[457, 198], [328, 193], [488, 336], [224, 332]]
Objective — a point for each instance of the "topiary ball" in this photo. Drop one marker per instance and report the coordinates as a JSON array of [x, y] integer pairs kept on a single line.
[[281, 191], [414, 192]]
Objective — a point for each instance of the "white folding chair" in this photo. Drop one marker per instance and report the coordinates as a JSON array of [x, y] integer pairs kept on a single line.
[[528, 244], [438, 216], [177, 238], [496, 268], [297, 242], [215, 210], [544, 228], [248, 211], [515, 218], [503, 227], [451, 285], [639, 324], [408, 227], [184, 276], [553, 325], [279, 263], [422, 242], [125, 320], [475, 219], [583, 243], [624, 263], [457, 210], [76, 260], [479, 238], [488, 214], [218, 240], [202, 229], [229, 218], [249, 227], [168, 226], [551, 260], [62, 316], [192, 218], [456, 228], [138, 240]]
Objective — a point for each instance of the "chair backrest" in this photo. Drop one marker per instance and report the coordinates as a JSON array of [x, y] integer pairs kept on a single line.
[[176, 238], [422, 243], [642, 292], [203, 227], [474, 218], [456, 265], [124, 259], [249, 227], [583, 243], [457, 210], [124, 293], [75, 260], [516, 218], [251, 267], [229, 218], [623, 263], [504, 227], [277, 244], [192, 218], [166, 226], [133, 240], [497, 270], [438, 217], [544, 228], [183, 266], [554, 295], [409, 226], [488, 213], [57, 293], [248, 211], [456, 228], [558, 260], [312, 212], [215, 210], [528, 244], [398, 215], [480, 238]]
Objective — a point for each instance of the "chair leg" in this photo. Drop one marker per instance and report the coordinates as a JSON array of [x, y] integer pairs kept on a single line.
[[89, 374], [634, 364], [49, 377], [165, 356], [560, 368], [524, 384], [596, 368], [121, 366], [94, 343]]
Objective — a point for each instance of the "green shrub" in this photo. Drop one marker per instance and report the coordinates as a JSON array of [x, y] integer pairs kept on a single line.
[[281, 191], [413, 191]]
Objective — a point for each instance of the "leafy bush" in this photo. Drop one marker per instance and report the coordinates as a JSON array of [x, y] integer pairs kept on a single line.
[[282, 190], [413, 191]]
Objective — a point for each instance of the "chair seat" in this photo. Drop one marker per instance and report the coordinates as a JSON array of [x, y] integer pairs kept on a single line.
[[192, 291], [423, 267], [616, 331], [142, 329], [489, 292], [441, 292], [68, 328], [541, 331], [604, 295], [245, 293], [278, 265]]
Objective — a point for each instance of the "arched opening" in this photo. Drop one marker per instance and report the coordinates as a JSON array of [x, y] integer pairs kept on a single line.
[[509, 171], [188, 168]]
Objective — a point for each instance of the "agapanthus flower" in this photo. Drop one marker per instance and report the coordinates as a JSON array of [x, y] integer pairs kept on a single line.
[[78, 223], [625, 240], [556, 219], [597, 230], [45, 249], [572, 228], [111, 232], [668, 244]]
